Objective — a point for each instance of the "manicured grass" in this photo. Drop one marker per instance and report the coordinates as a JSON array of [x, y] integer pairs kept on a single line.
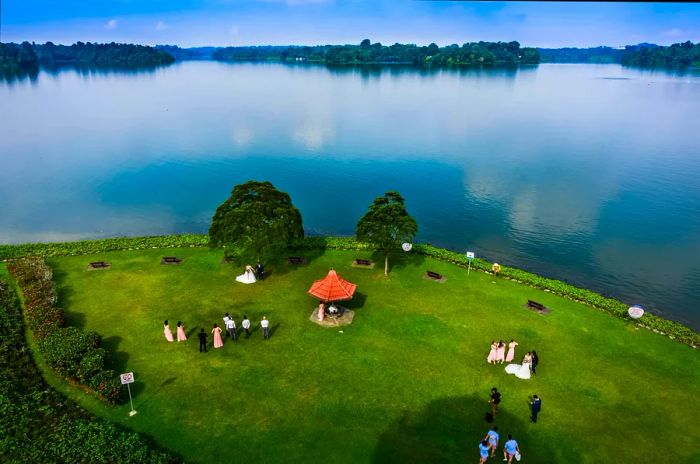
[[406, 382]]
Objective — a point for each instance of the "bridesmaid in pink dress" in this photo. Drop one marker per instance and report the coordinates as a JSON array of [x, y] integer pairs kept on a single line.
[[167, 331], [511, 350], [501, 352], [218, 342], [492, 354], [181, 337]]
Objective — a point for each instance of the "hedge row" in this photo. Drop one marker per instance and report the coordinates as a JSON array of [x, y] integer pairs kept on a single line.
[[86, 247], [611, 306], [72, 353], [616, 308], [38, 424]]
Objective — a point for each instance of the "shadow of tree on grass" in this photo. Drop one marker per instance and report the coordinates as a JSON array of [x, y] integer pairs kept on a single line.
[[449, 430]]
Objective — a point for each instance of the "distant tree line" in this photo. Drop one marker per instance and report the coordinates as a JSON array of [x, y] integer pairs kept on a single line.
[[111, 54], [581, 55], [366, 52], [681, 55], [644, 54], [192, 53], [16, 57]]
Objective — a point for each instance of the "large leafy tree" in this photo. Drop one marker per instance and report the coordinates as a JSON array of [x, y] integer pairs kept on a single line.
[[386, 225], [256, 223]]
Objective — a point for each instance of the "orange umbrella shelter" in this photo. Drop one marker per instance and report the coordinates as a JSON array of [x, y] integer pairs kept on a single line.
[[332, 288]]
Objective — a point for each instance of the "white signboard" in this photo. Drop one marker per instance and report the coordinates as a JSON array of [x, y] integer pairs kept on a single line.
[[470, 254], [127, 378], [407, 246]]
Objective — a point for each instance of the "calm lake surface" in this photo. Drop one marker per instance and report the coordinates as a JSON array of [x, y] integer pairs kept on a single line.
[[586, 173]]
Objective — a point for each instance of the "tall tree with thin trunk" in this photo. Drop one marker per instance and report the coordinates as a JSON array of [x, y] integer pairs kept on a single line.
[[256, 223], [387, 225]]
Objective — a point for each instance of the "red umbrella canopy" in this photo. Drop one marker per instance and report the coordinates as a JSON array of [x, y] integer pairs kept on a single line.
[[332, 288]]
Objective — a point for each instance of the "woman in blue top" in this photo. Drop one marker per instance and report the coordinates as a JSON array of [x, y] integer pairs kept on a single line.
[[510, 449], [484, 450]]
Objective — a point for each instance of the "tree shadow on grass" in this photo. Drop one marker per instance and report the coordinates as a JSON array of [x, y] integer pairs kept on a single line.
[[450, 429], [118, 360], [358, 301], [65, 294], [398, 260]]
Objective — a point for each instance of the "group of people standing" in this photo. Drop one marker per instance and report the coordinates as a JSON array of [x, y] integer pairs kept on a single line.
[[490, 443], [181, 337], [229, 325], [522, 371], [251, 275], [498, 355]]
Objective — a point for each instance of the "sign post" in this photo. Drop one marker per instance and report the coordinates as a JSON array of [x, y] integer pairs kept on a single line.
[[127, 379], [470, 257]]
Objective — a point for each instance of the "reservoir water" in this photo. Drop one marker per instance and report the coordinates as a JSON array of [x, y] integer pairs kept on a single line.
[[586, 173]]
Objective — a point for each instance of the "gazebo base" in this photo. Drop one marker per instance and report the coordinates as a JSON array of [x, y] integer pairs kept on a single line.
[[334, 321]]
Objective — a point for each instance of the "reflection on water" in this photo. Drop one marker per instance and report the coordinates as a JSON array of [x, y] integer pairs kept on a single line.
[[10, 76], [588, 173]]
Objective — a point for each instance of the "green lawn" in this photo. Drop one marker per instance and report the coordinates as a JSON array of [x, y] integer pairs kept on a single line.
[[406, 382]]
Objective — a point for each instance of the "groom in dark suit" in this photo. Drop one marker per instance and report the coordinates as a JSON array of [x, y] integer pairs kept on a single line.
[[535, 362], [259, 271]]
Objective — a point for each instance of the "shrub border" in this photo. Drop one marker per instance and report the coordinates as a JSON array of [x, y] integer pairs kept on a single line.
[[39, 424], [672, 329], [72, 353]]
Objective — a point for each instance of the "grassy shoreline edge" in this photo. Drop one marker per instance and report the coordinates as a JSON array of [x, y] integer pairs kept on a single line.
[[672, 329]]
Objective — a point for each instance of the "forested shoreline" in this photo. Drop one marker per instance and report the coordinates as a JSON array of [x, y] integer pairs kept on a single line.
[[645, 55], [26, 58], [474, 53]]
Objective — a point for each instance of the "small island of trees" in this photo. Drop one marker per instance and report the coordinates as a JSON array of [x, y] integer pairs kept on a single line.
[[475, 53]]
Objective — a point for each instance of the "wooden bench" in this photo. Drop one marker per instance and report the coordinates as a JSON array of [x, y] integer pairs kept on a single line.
[[434, 275], [170, 260], [295, 260], [363, 262], [98, 265], [535, 305]]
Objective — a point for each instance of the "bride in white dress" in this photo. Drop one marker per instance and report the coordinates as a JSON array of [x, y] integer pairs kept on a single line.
[[521, 371], [248, 277]]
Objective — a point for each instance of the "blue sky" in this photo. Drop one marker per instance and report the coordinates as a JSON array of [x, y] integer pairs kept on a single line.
[[247, 22]]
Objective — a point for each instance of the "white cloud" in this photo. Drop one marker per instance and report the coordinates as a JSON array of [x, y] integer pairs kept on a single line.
[[111, 24], [235, 29], [675, 32], [161, 26], [242, 135]]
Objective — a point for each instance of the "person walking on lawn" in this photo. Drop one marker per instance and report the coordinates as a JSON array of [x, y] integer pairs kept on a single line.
[[265, 324], [495, 401], [246, 326], [510, 449], [492, 438]]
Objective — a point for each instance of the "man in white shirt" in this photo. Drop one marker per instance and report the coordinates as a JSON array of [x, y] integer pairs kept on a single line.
[[226, 318], [265, 324], [246, 326], [231, 328]]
